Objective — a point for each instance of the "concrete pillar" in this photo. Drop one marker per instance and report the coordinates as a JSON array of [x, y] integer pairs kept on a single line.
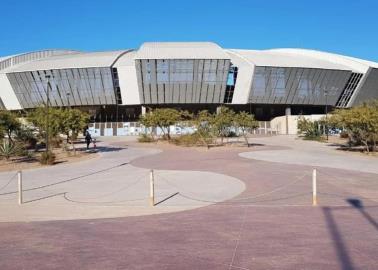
[[287, 114], [288, 111], [143, 110], [219, 109], [265, 129]]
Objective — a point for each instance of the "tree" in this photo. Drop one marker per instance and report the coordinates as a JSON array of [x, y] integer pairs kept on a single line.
[[73, 121], [148, 121], [246, 123], [9, 124], [162, 118], [61, 121], [223, 121], [360, 122], [203, 123], [38, 118]]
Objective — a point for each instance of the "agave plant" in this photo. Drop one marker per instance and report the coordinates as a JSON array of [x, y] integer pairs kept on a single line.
[[8, 149]]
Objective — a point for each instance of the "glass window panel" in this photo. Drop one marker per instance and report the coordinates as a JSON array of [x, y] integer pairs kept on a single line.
[[259, 82]]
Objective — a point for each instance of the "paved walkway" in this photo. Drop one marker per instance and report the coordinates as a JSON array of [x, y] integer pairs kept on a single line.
[[106, 187], [312, 154], [270, 225]]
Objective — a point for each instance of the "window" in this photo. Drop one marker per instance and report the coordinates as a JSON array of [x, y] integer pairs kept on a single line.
[[230, 87], [259, 82], [162, 71], [349, 89]]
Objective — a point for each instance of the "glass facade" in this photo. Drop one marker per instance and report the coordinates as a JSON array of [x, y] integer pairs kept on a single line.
[[281, 85], [69, 87], [182, 80]]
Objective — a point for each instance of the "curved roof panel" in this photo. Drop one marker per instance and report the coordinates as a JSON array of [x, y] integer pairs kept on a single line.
[[79, 60], [126, 59], [355, 64], [280, 58], [181, 50], [13, 60]]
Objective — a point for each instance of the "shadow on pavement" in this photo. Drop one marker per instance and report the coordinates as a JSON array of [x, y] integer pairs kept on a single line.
[[68, 180], [105, 149], [46, 197], [356, 203], [167, 198], [340, 247]]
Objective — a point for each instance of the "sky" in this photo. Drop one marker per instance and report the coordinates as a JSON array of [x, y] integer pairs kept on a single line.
[[348, 27]]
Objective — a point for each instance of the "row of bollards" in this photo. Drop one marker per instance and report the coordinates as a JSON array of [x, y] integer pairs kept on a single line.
[[152, 188]]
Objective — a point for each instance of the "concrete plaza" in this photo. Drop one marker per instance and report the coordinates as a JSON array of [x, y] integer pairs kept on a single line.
[[261, 217]]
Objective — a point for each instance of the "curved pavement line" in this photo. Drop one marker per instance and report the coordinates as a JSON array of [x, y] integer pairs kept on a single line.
[[319, 159], [98, 188]]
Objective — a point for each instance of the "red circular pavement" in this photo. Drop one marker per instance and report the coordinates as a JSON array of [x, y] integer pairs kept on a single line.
[[271, 225]]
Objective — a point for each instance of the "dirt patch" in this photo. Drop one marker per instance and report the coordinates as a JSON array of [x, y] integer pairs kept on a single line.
[[62, 157]]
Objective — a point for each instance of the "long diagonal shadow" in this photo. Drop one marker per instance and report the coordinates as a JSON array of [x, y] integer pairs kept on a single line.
[[341, 249], [46, 197], [166, 199], [356, 203], [68, 180]]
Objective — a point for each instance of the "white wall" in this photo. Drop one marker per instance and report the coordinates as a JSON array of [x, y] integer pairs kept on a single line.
[[129, 85], [7, 94], [279, 123], [244, 79]]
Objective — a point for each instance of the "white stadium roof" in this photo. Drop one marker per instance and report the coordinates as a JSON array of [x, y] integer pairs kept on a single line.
[[181, 50], [191, 50], [355, 64], [126, 59], [282, 59], [78, 60]]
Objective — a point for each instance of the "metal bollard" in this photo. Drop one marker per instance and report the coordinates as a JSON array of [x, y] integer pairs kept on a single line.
[[19, 176], [314, 198], [152, 189]]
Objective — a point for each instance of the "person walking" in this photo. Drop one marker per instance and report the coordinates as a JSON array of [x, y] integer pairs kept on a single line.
[[88, 139]]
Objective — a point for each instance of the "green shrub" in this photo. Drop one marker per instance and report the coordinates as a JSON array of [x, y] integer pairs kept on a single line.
[[309, 129], [144, 138], [26, 136], [188, 140], [21, 150], [47, 158], [29, 154]]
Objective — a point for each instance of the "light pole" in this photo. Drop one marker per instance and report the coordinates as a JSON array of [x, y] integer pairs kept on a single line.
[[47, 112], [326, 111]]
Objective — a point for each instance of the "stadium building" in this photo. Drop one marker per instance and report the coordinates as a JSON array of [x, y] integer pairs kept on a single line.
[[117, 86]]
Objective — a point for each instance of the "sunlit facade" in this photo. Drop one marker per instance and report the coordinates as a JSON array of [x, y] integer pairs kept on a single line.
[[118, 85]]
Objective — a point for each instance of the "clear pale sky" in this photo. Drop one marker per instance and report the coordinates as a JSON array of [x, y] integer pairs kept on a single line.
[[348, 27]]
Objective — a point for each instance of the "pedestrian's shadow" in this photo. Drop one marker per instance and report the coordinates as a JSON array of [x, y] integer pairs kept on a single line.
[[109, 149], [102, 149]]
